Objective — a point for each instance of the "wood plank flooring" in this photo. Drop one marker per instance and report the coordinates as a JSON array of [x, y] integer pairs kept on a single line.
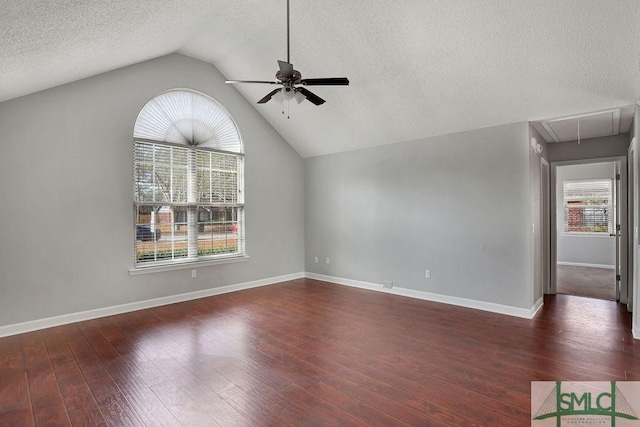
[[309, 353]]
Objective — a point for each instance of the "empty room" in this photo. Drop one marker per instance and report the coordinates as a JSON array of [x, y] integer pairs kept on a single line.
[[297, 213]]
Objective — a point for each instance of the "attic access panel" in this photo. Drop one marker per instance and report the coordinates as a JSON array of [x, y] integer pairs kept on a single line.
[[595, 125]]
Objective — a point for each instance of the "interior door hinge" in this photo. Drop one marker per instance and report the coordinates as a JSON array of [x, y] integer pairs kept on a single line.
[[618, 227], [617, 177], [618, 278]]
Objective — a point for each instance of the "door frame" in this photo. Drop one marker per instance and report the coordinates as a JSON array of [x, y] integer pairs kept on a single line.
[[621, 166], [632, 220], [545, 224]]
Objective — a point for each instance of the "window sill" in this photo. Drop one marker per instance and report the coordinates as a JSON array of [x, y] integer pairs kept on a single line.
[[586, 234], [186, 265]]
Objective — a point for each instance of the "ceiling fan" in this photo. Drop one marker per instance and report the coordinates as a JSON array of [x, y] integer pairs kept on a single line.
[[292, 82]]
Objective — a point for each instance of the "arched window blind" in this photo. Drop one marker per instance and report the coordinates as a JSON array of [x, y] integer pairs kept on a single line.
[[188, 118], [188, 181]]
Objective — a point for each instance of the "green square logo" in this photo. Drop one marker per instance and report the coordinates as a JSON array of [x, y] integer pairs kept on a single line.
[[585, 403]]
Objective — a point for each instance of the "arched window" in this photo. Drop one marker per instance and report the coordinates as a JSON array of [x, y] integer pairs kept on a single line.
[[188, 181]]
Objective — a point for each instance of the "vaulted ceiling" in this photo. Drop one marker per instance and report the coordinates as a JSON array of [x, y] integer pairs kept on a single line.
[[417, 67]]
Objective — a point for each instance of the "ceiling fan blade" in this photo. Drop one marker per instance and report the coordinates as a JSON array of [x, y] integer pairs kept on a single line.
[[326, 81], [286, 69], [269, 96], [312, 97], [253, 81]]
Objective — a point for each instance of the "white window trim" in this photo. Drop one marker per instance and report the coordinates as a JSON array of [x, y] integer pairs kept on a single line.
[[205, 258], [187, 264], [601, 234], [156, 125]]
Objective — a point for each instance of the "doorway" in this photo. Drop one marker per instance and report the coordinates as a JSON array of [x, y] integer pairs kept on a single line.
[[587, 228]]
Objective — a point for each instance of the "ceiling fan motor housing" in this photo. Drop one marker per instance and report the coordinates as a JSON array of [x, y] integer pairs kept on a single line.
[[295, 77]]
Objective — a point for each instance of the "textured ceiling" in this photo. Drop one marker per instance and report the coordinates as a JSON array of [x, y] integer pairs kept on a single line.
[[417, 67]]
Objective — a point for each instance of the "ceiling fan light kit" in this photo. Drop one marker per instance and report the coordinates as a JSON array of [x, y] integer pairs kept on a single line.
[[291, 81]]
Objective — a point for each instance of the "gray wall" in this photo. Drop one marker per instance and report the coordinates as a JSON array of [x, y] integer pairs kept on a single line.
[[596, 148], [66, 227], [582, 249], [455, 204]]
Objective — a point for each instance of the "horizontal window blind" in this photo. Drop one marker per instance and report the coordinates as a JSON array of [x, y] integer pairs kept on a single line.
[[588, 206]]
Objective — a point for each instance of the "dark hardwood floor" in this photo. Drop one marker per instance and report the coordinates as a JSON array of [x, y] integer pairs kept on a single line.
[[309, 353]]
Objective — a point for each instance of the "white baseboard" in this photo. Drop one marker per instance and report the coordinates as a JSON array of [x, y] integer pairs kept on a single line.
[[445, 299], [582, 264], [50, 322], [19, 328], [536, 307], [636, 333]]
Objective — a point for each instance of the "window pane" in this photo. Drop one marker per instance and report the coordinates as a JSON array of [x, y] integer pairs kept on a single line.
[[218, 231], [160, 173], [159, 234], [179, 184], [588, 205], [203, 164], [168, 226], [144, 189], [587, 219], [217, 177]]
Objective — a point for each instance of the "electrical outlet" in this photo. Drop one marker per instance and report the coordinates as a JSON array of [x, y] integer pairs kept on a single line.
[[387, 284], [193, 273], [327, 260], [427, 274], [316, 259]]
